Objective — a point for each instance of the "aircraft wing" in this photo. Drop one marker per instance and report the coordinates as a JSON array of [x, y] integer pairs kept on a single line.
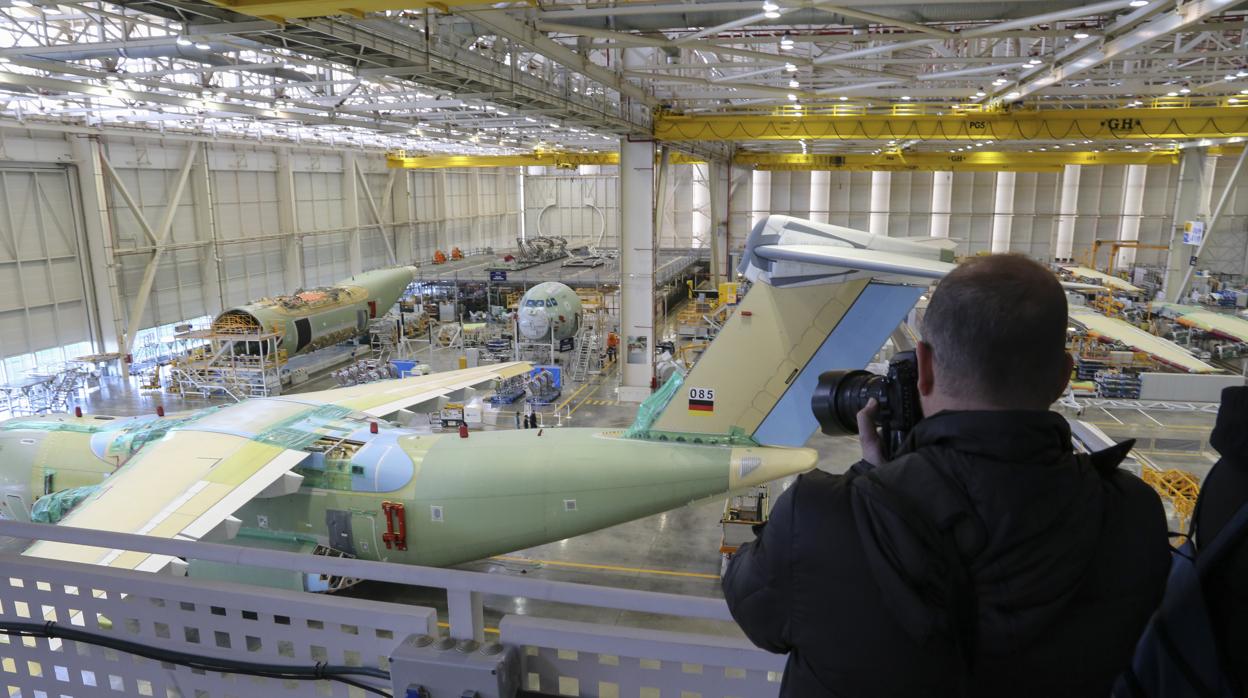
[[1163, 350], [855, 259], [186, 485], [387, 397]]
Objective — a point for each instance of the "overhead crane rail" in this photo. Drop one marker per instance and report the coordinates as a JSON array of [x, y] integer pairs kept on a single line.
[[894, 160], [560, 159], [1230, 119]]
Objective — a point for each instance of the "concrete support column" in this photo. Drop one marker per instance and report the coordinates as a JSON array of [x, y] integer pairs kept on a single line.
[[1067, 213], [700, 203], [820, 195], [760, 197], [1195, 187], [942, 203], [1003, 213], [210, 263], [288, 223], [351, 213], [1132, 206], [108, 331], [637, 214], [716, 187], [881, 194]]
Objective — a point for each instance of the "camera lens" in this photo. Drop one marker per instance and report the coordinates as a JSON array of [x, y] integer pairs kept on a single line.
[[840, 395]]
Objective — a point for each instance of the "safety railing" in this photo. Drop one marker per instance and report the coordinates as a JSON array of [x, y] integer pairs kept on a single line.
[[348, 638]]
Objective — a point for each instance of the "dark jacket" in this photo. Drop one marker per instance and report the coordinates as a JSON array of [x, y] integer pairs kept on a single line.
[[1067, 561], [1224, 491]]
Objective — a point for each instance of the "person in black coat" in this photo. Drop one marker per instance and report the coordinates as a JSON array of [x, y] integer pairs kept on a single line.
[[1224, 491], [987, 558]]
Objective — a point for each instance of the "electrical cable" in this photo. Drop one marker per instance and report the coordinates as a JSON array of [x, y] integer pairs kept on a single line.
[[320, 671]]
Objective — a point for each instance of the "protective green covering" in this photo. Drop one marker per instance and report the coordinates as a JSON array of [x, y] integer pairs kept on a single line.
[[653, 406], [51, 508]]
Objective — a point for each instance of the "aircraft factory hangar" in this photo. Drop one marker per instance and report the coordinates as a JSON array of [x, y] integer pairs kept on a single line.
[[383, 347]]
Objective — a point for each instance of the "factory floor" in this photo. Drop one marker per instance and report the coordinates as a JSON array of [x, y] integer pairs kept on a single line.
[[678, 551]]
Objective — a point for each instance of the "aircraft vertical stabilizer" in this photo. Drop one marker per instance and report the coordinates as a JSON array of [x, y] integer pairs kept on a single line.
[[824, 297]]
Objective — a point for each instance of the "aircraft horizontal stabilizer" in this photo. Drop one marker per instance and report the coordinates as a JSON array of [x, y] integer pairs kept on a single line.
[[853, 259]]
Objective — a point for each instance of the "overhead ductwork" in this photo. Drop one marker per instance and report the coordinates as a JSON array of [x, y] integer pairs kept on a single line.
[[939, 12]]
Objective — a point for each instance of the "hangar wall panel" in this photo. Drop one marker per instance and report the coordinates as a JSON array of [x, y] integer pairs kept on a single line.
[[227, 242]]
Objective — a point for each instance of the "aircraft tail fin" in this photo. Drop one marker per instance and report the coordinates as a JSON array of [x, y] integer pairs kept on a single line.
[[824, 297]]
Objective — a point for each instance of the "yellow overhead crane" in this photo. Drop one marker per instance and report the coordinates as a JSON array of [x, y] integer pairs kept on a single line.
[[549, 158], [973, 161], [1168, 121]]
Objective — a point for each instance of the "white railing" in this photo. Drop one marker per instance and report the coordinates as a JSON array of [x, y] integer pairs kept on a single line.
[[253, 624]]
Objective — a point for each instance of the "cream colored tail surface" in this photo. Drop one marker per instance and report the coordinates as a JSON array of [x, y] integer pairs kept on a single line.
[[759, 373]]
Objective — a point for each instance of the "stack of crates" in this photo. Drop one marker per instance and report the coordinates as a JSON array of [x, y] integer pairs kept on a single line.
[[1116, 384]]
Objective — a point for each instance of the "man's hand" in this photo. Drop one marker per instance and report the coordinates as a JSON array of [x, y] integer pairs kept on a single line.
[[869, 434]]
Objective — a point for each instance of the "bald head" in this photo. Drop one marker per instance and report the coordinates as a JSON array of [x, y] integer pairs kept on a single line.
[[996, 327]]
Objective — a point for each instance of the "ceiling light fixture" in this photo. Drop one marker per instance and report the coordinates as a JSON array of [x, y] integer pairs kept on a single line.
[[792, 97], [772, 15], [843, 98], [794, 84], [786, 42], [1081, 35], [1184, 90], [769, 6], [1139, 3], [1170, 94], [1034, 61], [905, 98], [980, 93]]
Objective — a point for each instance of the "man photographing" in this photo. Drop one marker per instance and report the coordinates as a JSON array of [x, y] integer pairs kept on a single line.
[[985, 558]]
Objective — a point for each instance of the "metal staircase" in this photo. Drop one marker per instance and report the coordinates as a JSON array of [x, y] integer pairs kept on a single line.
[[586, 352]]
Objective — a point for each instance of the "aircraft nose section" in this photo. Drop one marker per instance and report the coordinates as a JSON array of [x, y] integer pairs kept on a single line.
[[754, 466]]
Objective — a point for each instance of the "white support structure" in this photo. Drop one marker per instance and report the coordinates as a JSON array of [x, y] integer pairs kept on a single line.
[[718, 173], [159, 235], [93, 184], [942, 203], [206, 229], [403, 206], [1067, 213], [820, 195], [637, 229], [351, 212], [1003, 213], [881, 195], [1228, 192], [760, 196], [1132, 207], [288, 223], [383, 227], [1194, 182]]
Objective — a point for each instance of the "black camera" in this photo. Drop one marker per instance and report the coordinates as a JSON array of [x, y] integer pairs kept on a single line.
[[840, 395]]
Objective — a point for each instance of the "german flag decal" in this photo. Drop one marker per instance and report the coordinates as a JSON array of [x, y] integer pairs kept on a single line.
[[701, 401]]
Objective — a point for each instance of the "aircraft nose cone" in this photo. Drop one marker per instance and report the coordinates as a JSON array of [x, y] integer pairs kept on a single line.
[[534, 324], [754, 466]]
